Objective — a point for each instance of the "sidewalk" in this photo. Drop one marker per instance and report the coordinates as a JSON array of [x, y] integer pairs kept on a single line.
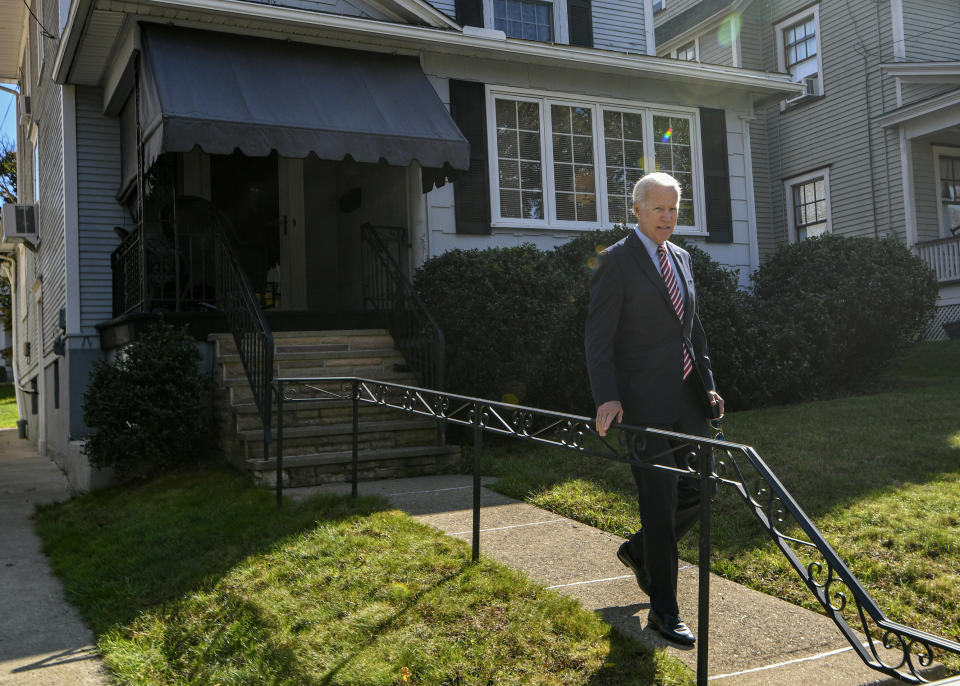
[[755, 639], [42, 640]]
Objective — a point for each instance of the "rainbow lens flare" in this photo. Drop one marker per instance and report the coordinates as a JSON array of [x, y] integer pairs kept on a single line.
[[666, 136]]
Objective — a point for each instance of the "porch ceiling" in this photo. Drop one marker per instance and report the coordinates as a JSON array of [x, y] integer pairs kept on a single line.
[[12, 30]]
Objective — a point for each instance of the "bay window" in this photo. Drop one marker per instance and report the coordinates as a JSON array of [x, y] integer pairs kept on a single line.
[[566, 164]]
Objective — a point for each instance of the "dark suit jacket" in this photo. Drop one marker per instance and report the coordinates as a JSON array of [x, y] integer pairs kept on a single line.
[[633, 335]]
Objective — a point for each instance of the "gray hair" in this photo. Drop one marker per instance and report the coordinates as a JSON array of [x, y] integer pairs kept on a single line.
[[653, 179]]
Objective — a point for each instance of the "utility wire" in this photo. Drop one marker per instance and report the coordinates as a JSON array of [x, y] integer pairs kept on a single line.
[[9, 105], [43, 28]]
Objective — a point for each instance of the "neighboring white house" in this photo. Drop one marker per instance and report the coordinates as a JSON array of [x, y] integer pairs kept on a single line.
[[541, 112], [872, 145]]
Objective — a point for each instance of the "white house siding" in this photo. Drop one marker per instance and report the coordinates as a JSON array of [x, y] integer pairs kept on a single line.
[[51, 254], [98, 179], [619, 25], [834, 131], [440, 223], [755, 36], [673, 8], [915, 92], [931, 29], [448, 7], [925, 192], [712, 51]]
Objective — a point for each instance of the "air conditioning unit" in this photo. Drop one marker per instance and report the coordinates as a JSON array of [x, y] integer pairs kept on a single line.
[[19, 223], [811, 88], [26, 109]]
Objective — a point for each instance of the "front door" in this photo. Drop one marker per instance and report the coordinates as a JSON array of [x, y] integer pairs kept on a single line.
[[292, 277]]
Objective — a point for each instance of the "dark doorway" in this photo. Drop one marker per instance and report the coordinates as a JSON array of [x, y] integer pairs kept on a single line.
[[245, 189]]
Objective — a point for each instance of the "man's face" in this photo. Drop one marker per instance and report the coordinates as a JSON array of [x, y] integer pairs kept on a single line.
[[657, 217]]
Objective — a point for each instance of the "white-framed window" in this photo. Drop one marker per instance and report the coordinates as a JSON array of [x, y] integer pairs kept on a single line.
[[689, 52], [540, 20], [808, 205], [558, 161], [659, 6], [798, 48], [947, 169]]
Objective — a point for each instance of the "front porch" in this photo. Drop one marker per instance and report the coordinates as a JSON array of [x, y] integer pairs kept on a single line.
[[943, 257]]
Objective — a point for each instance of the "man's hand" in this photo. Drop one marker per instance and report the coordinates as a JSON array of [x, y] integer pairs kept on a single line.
[[608, 413], [716, 400]]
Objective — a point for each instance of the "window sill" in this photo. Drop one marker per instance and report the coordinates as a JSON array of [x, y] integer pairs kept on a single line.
[[799, 104]]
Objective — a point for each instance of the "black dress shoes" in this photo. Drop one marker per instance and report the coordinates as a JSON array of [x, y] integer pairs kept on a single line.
[[636, 566], [671, 628]]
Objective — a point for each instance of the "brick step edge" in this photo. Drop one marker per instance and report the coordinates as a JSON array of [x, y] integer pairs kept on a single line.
[[346, 457]]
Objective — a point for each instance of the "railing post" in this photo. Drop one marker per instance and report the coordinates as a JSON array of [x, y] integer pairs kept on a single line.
[[477, 450], [356, 439], [703, 595], [279, 443]]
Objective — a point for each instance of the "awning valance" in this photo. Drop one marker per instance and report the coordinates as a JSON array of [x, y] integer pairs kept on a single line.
[[224, 92]]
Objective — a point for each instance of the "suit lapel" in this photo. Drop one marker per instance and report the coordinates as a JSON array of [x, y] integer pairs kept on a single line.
[[640, 255]]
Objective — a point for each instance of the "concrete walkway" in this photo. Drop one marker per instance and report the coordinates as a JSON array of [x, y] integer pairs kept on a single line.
[[42, 640], [755, 639]]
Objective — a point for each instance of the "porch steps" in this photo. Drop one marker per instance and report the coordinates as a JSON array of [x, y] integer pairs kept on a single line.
[[318, 434]]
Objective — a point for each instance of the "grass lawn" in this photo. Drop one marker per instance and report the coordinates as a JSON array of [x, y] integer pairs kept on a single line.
[[198, 578], [879, 474], [8, 406]]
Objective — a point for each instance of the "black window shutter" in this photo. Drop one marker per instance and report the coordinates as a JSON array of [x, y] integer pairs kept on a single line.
[[580, 22], [471, 191], [716, 175], [470, 12]]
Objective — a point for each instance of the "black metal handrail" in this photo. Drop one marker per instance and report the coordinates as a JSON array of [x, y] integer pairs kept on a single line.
[[249, 327], [387, 290], [889, 647]]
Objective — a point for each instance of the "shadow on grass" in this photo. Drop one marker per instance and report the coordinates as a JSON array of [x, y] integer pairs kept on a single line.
[[389, 623], [127, 549]]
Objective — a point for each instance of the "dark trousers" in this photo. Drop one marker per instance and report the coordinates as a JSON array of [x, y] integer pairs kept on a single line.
[[669, 503]]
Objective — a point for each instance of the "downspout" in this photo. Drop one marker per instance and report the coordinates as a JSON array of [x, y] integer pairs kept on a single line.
[[8, 267]]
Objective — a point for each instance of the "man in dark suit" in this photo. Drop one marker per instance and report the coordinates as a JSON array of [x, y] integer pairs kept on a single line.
[[648, 365]]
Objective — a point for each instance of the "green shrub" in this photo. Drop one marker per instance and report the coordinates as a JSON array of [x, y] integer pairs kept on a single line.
[[148, 407], [825, 313], [832, 310], [494, 307]]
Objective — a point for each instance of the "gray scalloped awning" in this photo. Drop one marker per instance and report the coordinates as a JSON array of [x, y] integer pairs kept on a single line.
[[224, 92]]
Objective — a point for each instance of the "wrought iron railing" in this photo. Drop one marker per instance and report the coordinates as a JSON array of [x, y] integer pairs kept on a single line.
[[886, 646], [170, 271], [943, 256], [387, 290], [126, 265], [167, 267], [249, 327]]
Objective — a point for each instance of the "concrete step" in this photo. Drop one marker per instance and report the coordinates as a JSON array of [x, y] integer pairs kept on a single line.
[[311, 413], [319, 363], [238, 387], [330, 340], [305, 440], [331, 467]]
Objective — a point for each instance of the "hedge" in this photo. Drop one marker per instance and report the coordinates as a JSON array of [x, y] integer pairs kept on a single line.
[[821, 317]]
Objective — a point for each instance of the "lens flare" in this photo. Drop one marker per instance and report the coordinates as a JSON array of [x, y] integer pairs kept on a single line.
[[666, 136]]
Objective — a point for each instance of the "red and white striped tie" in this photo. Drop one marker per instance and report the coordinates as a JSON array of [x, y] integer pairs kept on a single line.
[[676, 297]]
